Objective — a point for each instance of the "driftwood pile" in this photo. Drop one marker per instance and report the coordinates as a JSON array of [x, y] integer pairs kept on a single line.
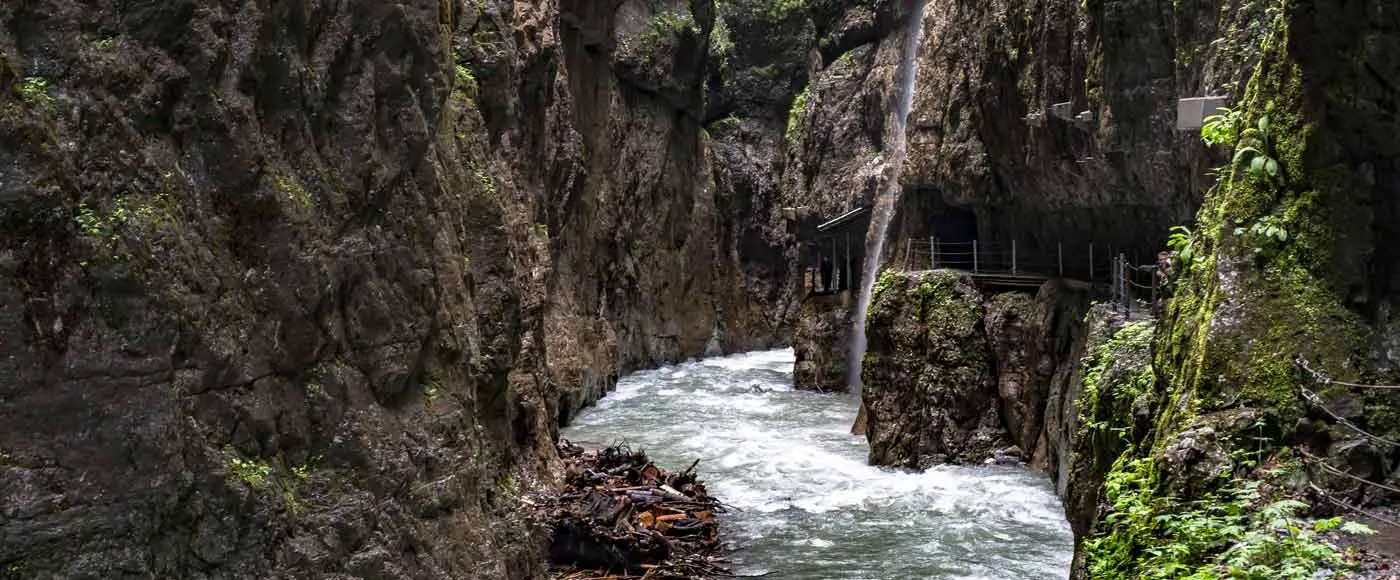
[[620, 516]]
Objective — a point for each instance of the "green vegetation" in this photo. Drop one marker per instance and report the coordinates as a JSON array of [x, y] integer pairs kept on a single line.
[[727, 122], [1238, 532], [486, 38], [667, 23], [1180, 242], [96, 225], [105, 44], [1256, 147], [1115, 387], [797, 112], [1222, 128], [721, 42], [780, 9], [888, 279], [1265, 236], [661, 31], [932, 292], [253, 473], [35, 91], [110, 226], [260, 475], [465, 79], [430, 392], [488, 186], [292, 188]]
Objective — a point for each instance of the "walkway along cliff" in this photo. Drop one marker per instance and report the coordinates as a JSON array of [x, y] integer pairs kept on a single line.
[[1211, 414], [306, 289]]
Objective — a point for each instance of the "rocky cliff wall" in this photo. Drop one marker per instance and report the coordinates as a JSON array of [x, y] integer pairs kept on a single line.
[[1109, 168], [303, 289], [955, 376], [1214, 413], [1231, 406], [990, 155]]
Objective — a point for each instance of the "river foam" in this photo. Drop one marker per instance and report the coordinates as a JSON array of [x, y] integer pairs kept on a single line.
[[809, 506]]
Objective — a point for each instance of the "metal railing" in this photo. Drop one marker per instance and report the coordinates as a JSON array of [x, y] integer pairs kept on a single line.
[[1132, 283], [1097, 265]]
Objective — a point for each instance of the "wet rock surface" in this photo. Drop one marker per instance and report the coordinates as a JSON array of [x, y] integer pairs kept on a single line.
[[1036, 342], [959, 377], [305, 289], [929, 389], [821, 343]]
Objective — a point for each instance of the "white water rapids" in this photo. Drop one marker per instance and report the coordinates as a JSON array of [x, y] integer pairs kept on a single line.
[[809, 506]]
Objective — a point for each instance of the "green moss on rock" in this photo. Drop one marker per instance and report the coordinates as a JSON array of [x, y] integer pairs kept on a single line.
[[1227, 390]]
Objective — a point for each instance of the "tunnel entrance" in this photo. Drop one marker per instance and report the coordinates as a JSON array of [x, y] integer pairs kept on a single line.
[[954, 230]]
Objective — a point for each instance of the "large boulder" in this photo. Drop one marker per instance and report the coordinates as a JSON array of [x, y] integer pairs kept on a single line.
[[929, 389], [822, 344]]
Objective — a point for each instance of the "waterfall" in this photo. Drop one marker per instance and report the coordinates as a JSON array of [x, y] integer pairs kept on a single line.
[[884, 207]]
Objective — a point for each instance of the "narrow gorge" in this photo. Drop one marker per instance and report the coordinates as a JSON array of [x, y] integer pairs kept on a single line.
[[1094, 289]]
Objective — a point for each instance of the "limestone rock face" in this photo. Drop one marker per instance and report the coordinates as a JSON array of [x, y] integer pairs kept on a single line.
[[1108, 167], [951, 376], [928, 383], [821, 343], [1035, 342], [304, 289]]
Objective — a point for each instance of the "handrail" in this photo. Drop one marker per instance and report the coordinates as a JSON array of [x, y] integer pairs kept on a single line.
[[1129, 282]]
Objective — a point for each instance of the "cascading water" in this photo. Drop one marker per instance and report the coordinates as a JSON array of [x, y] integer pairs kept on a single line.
[[808, 505], [883, 210]]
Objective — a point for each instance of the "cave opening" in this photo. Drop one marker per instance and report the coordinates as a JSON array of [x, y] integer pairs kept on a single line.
[[954, 232]]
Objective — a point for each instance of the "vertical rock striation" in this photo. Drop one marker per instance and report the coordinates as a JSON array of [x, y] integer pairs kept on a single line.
[[304, 289]]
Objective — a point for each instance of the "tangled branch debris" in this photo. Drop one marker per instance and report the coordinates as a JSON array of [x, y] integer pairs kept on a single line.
[[620, 516]]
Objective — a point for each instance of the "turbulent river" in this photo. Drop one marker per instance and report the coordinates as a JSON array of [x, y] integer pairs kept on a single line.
[[809, 508]]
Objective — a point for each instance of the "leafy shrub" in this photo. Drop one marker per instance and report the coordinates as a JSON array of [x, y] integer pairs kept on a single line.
[[721, 42], [799, 108], [780, 9], [1222, 128], [35, 91], [1267, 235], [1180, 242], [1237, 533], [253, 473], [1256, 146]]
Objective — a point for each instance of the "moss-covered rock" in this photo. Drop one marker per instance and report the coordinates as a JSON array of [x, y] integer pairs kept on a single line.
[[928, 383], [1278, 274]]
